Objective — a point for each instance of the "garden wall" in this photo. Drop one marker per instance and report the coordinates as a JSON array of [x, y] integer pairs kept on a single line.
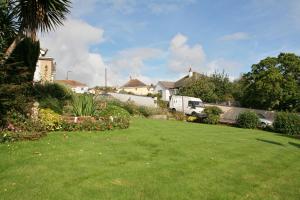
[[139, 100], [230, 113]]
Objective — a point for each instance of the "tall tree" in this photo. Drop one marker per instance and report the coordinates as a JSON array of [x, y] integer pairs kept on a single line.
[[223, 86], [202, 88], [31, 16], [273, 83]]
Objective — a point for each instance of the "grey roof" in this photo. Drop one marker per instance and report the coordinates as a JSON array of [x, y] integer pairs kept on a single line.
[[167, 84]]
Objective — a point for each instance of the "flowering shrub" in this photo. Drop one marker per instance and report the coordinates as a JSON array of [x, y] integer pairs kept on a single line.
[[115, 116], [50, 120]]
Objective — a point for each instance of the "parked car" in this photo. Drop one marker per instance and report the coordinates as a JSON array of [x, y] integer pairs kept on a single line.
[[263, 121], [187, 105]]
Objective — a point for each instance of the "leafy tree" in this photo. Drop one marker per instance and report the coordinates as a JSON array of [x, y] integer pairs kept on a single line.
[[223, 86], [19, 48], [202, 88], [30, 16], [273, 83]]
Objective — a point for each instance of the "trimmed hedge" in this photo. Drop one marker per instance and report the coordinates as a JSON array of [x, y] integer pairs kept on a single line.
[[248, 119], [287, 123]]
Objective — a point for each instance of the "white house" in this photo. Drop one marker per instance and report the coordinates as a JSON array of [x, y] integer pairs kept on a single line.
[[167, 88], [75, 86]]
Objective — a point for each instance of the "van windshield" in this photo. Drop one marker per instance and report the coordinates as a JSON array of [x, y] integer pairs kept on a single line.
[[195, 104]]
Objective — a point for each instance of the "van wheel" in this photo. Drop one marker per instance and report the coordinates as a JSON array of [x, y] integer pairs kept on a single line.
[[173, 110], [194, 114]]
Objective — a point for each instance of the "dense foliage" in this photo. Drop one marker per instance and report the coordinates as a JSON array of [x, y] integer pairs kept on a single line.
[[52, 95], [19, 49], [16, 78], [273, 84], [248, 119], [50, 120], [287, 123], [212, 114], [84, 105], [212, 89]]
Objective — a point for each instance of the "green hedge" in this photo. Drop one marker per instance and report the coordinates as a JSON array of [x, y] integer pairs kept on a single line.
[[287, 123], [248, 119]]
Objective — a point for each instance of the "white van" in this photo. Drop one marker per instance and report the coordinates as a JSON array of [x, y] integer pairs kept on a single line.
[[187, 105]]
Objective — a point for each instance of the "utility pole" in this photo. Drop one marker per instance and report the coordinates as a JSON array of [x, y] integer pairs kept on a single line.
[[68, 74], [105, 80]]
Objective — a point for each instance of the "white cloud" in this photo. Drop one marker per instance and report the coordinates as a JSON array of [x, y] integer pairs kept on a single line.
[[181, 55], [131, 62], [235, 36], [231, 68], [70, 49]]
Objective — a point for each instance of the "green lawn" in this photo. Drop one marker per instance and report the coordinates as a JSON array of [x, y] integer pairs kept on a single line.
[[153, 160]]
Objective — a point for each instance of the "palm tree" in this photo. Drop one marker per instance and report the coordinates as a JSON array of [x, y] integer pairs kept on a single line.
[[32, 16]]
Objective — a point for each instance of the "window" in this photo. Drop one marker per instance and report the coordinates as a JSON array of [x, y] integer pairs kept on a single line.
[[195, 104]]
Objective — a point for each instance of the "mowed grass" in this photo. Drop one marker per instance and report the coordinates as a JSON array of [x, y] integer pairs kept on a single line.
[[153, 160]]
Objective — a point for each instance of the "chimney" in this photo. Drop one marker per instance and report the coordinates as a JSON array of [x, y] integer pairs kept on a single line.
[[190, 72]]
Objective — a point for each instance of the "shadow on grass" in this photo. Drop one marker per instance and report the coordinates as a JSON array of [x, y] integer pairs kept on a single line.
[[294, 144], [269, 141]]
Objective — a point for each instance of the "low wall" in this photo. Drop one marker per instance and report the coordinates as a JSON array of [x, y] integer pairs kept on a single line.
[[139, 100], [230, 113]]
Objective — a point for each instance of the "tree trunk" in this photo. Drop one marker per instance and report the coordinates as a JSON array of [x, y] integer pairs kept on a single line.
[[11, 48]]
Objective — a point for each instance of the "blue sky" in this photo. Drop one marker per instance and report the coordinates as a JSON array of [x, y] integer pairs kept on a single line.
[[160, 39]]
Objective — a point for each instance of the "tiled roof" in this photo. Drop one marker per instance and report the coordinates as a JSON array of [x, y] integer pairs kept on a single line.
[[134, 83], [71, 83], [167, 84]]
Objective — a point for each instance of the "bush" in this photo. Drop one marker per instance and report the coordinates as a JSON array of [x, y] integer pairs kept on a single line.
[[117, 116], [163, 104], [114, 111], [178, 116], [88, 124], [131, 108], [248, 119], [9, 136], [50, 120], [212, 115], [84, 105], [287, 123], [145, 111], [52, 95], [18, 122]]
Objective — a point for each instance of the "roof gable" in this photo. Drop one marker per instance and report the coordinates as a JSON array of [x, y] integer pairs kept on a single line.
[[134, 83], [167, 84]]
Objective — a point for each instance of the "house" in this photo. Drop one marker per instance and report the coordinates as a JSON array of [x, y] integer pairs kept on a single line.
[[167, 88], [45, 68], [75, 86], [136, 87]]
